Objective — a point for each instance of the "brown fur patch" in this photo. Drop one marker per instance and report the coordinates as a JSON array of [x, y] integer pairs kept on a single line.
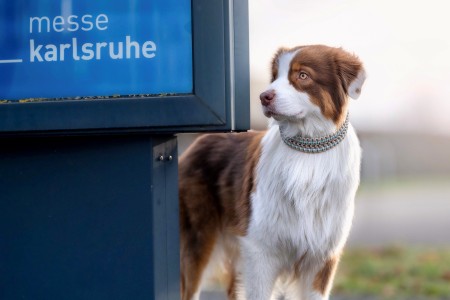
[[298, 264], [274, 64], [232, 290], [242, 206], [216, 178], [323, 279]]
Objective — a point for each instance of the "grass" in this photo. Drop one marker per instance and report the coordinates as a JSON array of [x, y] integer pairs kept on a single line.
[[394, 273], [405, 183]]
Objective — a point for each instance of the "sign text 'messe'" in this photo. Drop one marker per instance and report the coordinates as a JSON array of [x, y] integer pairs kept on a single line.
[[85, 51]]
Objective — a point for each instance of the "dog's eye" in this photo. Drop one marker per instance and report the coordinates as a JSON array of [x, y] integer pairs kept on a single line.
[[303, 76]]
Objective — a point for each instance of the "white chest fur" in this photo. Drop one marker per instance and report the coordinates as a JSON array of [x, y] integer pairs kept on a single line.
[[304, 202]]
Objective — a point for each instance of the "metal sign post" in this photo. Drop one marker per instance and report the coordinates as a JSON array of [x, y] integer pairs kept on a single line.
[[91, 95]]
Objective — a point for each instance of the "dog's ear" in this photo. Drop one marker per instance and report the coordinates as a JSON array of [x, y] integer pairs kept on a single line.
[[274, 64], [351, 72]]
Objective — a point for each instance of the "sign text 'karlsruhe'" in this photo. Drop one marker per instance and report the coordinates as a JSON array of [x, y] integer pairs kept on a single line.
[[72, 49]]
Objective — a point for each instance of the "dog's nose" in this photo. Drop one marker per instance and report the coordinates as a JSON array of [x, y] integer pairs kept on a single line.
[[267, 97]]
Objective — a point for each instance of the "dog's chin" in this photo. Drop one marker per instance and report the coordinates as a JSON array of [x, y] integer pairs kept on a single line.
[[283, 117]]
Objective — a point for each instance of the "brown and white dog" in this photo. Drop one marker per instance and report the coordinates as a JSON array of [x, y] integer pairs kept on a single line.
[[273, 209]]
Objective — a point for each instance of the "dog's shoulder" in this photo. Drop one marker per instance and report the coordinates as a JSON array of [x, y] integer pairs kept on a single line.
[[216, 147]]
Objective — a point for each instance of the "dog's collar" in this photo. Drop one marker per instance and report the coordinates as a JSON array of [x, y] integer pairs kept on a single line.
[[316, 145]]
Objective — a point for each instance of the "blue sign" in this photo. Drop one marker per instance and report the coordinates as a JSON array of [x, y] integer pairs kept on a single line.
[[82, 48]]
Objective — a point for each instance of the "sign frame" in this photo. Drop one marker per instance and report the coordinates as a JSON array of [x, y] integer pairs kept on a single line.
[[219, 102]]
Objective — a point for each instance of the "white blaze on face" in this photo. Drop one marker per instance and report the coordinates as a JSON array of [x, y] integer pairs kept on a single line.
[[284, 63], [289, 103]]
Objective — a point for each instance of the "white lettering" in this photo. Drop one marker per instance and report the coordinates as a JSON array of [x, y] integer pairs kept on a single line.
[[148, 47], [58, 21], [99, 47], [101, 19], [34, 52], [52, 53], [73, 25], [119, 54], [75, 49], [62, 47], [70, 23], [130, 44], [128, 49], [87, 49], [85, 21], [39, 21]]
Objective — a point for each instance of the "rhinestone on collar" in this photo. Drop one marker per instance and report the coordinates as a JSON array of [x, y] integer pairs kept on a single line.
[[316, 145]]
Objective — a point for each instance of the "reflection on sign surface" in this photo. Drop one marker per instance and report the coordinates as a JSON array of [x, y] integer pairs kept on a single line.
[[71, 49]]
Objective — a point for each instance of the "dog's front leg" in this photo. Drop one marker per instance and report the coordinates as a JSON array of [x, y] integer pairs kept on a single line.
[[260, 271], [315, 282]]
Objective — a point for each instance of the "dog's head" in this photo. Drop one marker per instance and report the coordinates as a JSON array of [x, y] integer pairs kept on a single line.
[[310, 80]]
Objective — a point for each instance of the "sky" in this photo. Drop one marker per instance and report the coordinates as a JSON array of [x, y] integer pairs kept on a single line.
[[404, 45]]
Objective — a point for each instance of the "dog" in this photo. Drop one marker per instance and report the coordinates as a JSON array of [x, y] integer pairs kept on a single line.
[[270, 211]]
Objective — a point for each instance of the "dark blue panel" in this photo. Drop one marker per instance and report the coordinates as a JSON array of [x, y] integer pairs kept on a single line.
[[59, 49], [76, 219]]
